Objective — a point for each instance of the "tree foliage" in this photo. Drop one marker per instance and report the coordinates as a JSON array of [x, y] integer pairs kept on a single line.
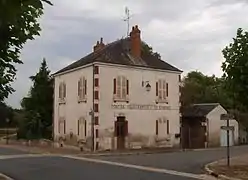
[[18, 24], [199, 88], [235, 68], [38, 106], [149, 50]]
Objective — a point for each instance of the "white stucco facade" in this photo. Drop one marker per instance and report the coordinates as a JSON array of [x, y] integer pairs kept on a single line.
[[215, 124], [150, 124]]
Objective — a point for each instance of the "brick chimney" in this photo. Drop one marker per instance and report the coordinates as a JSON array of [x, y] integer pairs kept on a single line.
[[99, 45], [135, 41]]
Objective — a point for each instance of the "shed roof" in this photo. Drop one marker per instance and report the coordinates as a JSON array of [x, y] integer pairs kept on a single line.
[[199, 110]]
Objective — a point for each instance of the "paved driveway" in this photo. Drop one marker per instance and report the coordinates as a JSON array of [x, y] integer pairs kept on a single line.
[[190, 161]]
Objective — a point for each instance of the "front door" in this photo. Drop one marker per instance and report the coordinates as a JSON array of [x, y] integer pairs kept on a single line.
[[121, 127]]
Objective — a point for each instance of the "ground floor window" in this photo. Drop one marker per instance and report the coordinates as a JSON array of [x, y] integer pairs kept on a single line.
[[162, 127], [82, 125], [62, 126]]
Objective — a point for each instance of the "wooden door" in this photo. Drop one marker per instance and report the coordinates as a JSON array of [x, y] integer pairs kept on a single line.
[[121, 126]]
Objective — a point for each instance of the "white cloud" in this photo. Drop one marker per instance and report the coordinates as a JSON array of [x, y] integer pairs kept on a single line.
[[188, 34]]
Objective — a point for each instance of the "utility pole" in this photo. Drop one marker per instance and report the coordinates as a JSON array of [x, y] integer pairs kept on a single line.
[[228, 141], [7, 131]]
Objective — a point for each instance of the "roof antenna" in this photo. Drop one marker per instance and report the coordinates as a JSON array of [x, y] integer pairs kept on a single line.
[[127, 19]]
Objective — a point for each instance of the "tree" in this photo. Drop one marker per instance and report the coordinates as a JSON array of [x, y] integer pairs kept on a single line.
[[18, 24], [38, 106], [148, 49], [5, 112], [235, 68], [199, 88]]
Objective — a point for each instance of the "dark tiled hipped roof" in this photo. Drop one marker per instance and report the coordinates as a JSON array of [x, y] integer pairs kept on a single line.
[[118, 52], [199, 110]]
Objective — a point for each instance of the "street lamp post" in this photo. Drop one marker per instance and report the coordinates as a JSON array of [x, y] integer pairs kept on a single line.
[[7, 131]]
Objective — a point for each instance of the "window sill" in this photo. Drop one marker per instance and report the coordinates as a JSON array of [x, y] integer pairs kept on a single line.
[[121, 100], [62, 101], [82, 100], [164, 101]]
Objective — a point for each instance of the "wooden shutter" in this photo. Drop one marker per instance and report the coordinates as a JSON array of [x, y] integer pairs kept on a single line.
[[64, 126], [78, 127], [60, 91], [114, 87], [127, 87], [64, 90], [119, 87], [80, 88], [156, 127], [160, 89], [123, 87], [85, 128], [163, 89], [167, 90], [168, 126], [59, 125], [85, 86], [156, 88]]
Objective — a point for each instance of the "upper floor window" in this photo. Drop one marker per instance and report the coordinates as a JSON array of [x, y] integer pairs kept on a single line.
[[82, 89], [121, 88], [162, 91], [62, 92]]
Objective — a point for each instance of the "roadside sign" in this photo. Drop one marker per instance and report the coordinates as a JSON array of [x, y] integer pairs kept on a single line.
[[230, 128]]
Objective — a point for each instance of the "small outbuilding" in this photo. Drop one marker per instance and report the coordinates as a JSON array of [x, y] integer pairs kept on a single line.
[[201, 127]]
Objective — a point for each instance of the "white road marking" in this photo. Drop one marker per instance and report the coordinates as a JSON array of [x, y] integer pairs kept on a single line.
[[151, 169], [5, 177]]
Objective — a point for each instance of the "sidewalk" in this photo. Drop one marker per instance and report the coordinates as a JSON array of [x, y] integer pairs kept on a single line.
[[41, 149], [238, 168]]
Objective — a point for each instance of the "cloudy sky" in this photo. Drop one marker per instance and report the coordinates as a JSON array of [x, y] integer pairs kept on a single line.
[[189, 34]]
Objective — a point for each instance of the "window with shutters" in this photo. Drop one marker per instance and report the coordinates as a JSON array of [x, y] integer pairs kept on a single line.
[[62, 126], [82, 125], [162, 127], [121, 88], [62, 93], [162, 91], [82, 89]]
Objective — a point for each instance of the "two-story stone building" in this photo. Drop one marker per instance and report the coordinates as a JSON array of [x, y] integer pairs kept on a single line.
[[118, 96]]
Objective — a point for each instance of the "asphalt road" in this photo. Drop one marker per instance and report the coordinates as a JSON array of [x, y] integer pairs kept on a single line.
[[189, 161], [52, 168]]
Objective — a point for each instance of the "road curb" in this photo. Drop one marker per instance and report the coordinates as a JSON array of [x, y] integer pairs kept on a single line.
[[5, 177], [217, 175]]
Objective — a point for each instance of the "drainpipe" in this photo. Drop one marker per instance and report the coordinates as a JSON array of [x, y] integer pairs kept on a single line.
[[93, 111]]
